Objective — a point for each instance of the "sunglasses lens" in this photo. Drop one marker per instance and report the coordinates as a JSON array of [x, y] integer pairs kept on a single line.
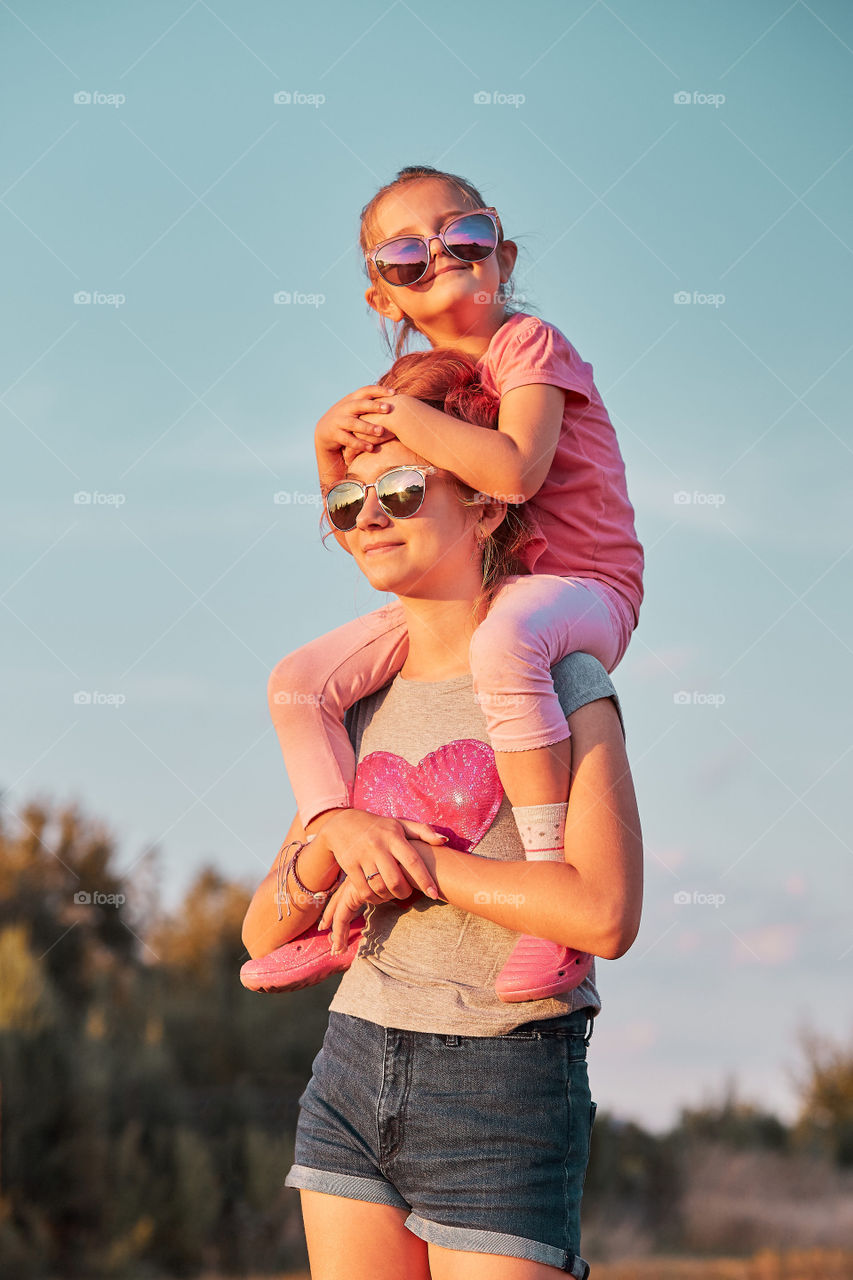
[[402, 261], [472, 238], [401, 493], [343, 503]]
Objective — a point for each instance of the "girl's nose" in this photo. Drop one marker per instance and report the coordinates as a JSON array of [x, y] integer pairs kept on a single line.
[[441, 249]]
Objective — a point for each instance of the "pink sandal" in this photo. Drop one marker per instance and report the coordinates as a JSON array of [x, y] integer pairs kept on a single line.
[[537, 969], [303, 962]]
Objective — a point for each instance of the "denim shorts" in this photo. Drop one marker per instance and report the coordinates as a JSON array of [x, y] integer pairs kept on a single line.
[[483, 1139]]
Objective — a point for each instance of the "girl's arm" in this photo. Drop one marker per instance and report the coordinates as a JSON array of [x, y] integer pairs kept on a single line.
[[341, 428], [592, 901], [514, 461]]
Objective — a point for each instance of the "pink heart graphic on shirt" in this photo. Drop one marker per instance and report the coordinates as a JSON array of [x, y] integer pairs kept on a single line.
[[456, 789]]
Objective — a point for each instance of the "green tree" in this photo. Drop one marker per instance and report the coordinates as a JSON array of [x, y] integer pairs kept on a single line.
[[734, 1122], [27, 997], [148, 1100], [825, 1119]]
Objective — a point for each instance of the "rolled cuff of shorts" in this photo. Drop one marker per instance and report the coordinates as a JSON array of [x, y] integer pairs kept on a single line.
[[373, 1190], [472, 1240]]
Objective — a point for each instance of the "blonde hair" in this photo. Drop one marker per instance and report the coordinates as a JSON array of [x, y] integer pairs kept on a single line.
[[469, 197]]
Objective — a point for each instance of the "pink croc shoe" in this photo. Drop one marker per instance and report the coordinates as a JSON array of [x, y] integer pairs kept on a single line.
[[303, 962], [537, 969]]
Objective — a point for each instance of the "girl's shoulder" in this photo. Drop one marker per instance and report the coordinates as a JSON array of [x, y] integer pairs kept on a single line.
[[523, 330], [525, 343]]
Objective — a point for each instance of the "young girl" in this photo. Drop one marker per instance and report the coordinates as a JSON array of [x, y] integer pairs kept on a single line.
[[438, 265]]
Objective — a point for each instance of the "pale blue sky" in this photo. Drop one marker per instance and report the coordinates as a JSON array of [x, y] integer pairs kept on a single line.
[[197, 197]]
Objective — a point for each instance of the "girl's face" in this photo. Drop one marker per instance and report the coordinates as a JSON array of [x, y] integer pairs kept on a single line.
[[432, 554], [464, 292]]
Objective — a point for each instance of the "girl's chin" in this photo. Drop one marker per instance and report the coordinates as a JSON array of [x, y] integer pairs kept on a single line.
[[455, 290]]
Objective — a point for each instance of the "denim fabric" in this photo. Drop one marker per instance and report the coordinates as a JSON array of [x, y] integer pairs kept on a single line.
[[484, 1139]]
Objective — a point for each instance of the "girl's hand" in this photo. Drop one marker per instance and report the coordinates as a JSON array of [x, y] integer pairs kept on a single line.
[[364, 843], [371, 436], [342, 428], [374, 427], [340, 911]]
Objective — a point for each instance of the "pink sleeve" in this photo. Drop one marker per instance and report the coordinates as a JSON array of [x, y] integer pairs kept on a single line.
[[536, 351]]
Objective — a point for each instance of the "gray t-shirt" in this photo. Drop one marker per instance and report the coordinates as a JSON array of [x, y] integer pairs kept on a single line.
[[429, 966]]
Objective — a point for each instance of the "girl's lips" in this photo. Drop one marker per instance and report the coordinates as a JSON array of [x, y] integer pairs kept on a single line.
[[381, 546], [443, 271]]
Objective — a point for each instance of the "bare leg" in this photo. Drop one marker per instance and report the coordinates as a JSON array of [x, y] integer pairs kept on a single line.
[[537, 783], [452, 1264], [357, 1240], [540, 776]]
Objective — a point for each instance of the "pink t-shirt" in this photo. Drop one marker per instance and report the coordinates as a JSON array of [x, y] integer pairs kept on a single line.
[[583, 518]]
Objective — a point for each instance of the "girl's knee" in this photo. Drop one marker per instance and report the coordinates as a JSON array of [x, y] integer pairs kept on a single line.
[[500, 646]]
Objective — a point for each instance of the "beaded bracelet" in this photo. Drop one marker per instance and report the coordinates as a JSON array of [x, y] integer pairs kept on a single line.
[[282, 893]]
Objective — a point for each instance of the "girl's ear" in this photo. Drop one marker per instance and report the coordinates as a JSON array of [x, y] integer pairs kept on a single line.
[[507, 253], [380, 302]]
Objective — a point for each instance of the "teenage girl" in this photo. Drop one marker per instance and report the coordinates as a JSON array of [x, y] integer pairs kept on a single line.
[[438, 265]]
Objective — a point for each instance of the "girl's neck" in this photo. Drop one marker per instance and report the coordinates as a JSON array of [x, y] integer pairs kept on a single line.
[[475, 338], [439, 636]]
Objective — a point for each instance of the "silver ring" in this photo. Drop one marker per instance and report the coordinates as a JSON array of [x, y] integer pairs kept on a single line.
[[372, 874]]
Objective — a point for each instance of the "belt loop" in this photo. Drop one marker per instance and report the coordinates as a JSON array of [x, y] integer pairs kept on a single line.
[[590, 1023]]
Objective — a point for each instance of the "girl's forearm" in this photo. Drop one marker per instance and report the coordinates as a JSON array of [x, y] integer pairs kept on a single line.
[[547, 899], [330, 466], [460, 447]]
